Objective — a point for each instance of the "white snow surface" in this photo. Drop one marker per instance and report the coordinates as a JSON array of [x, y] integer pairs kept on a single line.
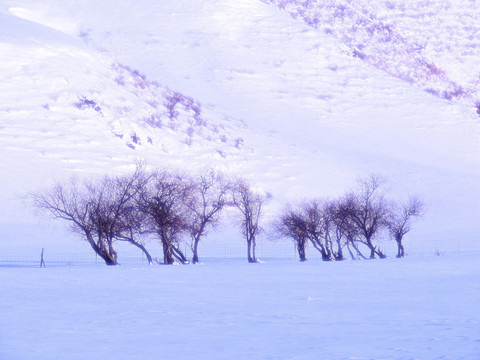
[[86, 88], [414, 308]]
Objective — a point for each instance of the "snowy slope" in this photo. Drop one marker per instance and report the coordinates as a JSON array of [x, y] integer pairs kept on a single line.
[[282, 103], [69, 109], [434, 45]]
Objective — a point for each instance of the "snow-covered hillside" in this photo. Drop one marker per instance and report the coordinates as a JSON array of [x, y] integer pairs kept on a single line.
[[434, 45], [240, 85]]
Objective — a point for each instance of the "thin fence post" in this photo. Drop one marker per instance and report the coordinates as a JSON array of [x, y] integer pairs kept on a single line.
[[42, 262]]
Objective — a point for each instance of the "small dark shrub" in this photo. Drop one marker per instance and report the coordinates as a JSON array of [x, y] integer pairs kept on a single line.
[[135, 138], [85, 103]]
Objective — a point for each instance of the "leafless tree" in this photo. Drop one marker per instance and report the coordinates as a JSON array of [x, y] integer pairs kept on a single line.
[[129, 225], [355, 221], [95, 209], [74, 202], [318, 228], [323, 228], [163, 202], [326, 224], [344, 232], [131, 220], [135, 228], [366, 212], [345, 226], [331, 229], [249, 203], [400, 221], [293, 224], [210, 195]]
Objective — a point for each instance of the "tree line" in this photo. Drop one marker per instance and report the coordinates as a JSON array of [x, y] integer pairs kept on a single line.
[[352, 223], [176, 207], [169, 205]]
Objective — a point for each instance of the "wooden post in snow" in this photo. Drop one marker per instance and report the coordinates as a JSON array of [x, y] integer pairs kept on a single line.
[[42, 262]]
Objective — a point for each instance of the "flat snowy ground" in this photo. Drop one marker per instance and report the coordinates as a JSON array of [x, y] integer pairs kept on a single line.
[[414, 308]]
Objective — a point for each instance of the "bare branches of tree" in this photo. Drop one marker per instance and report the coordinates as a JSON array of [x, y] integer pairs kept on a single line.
[[97, 209], [75, 203], [210, 195], [172, 205], [162, 201], [249, 203], [314, 221], [355, 221], [292, 224], [131, 219], [368, 213], [400, 221]]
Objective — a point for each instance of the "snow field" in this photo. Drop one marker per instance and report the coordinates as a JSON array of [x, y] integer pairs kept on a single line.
[[414, 308]]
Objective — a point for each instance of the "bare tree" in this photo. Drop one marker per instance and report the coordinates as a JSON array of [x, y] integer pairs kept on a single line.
[[79, 204], [163, 201], [101, 210], [346, 227], [131, 222], [331, 229], [126, 222], [88, 209], [317, 228], [293, 224], [367, 214], [317, 220], [249, 203], [400, 221], [355, 221], [134, 230], [210, 195]]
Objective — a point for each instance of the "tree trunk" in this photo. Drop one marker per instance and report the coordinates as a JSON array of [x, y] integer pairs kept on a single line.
[[301, 255], [380, 254], [167, 252], [328, 250], [301, 250], [110, 259], [326, 255], [141, 247], [195, 259], [359, 253], [350, 250], [179, 255], [371, 247], [339, 254], [254, 248], [316, 245], [251, 250], [401, 250]]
